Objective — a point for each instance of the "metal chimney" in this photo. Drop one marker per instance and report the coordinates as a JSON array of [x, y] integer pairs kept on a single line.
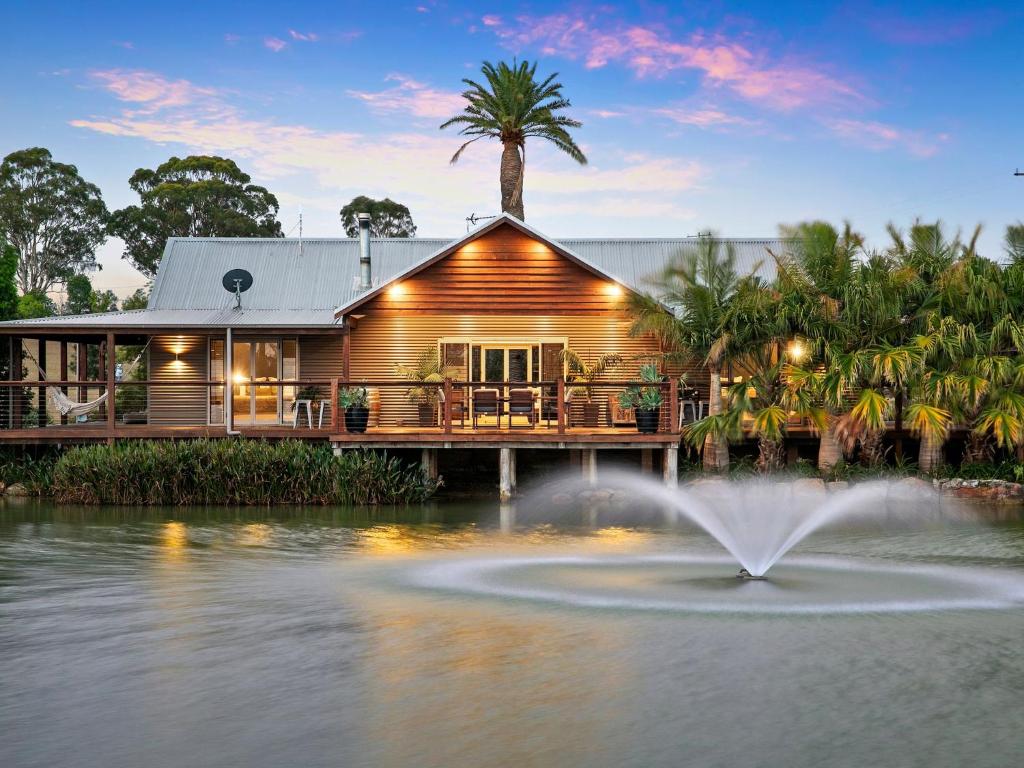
[[364, 252]]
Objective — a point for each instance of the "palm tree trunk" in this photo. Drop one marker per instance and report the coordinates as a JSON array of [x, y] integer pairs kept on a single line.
[[510, 176], [978, 450], [929, 457], [872, 453], [716, 450], [769, 456], [830, 452]]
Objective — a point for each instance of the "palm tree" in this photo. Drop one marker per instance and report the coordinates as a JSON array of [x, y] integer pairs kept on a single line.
[[512, 107], [699, 287]]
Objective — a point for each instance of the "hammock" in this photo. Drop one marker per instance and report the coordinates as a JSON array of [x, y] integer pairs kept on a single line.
[[68, 407]]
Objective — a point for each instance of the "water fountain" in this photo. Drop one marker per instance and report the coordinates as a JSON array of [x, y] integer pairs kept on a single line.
[[758, 522]]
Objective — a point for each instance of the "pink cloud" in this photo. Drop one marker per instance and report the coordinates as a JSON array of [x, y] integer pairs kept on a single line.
[[152, 91], [491, 21], [652, 52], [606, 114], [128, 45], [306, 37], [275, 44], [930, 26], [878, 136], [702, 118], [412, 97], [231, 38]]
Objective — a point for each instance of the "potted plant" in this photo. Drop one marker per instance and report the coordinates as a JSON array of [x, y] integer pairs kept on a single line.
[[644, 400], [427, 370], [353, 400], [582, 375]]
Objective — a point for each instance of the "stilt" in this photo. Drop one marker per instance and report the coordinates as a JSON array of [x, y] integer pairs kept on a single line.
[[589, 459], [338, 451], [506, 471], [515, 472], [646, 460], [429, 462], [670, 465], [507, 517]]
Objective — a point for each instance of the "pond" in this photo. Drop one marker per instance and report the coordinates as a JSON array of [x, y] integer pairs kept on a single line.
[[459, 635]]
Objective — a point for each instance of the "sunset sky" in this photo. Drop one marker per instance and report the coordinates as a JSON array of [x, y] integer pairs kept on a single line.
[[706, 115]]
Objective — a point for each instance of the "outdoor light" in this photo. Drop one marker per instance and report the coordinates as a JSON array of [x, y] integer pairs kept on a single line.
[[796, 351], [613, 289], [396, 290]]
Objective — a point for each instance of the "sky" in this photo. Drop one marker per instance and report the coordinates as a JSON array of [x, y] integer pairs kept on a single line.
[[697, 116]]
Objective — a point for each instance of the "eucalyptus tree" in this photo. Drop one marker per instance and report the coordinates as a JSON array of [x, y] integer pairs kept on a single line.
[[512, 106], [53, 217], [692, 315], [387, 218]]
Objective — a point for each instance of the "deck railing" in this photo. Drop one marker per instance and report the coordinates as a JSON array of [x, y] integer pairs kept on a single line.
[[556, 405]]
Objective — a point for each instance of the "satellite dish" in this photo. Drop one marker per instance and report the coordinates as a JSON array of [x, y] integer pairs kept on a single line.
[[237, 281]]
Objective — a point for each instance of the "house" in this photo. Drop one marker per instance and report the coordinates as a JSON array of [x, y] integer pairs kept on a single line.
[[499, 305]]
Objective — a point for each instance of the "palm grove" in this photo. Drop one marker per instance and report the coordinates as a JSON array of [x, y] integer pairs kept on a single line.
[[925, 333]]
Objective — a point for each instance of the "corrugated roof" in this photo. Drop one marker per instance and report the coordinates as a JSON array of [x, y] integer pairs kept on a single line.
[[300, 283]]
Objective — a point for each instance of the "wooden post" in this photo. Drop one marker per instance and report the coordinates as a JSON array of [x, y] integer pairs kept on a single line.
[[673, 405], [334, 404], [506, 474], [670, 465], [346, 354], [82, 370], [111, 360], [560, 393], [229, 383], [17, 371], [429, 462], [446, 410], [590, 465], [646, 460], [41, 398], [64, 374]]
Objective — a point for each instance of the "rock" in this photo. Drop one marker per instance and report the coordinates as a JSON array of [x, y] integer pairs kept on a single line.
[[16, 489], [561, 499], [809, 485], [914, 484], [837, 485]]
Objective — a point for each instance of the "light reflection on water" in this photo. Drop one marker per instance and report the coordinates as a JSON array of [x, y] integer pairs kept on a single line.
[[288, 637]]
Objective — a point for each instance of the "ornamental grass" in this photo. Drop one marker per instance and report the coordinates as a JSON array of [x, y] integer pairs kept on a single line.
[[233, 472]]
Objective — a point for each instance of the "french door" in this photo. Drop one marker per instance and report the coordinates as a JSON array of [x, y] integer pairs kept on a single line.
[[507, 363], [257, 365]]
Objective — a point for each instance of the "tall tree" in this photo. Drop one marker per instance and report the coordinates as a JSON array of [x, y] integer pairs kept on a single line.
[[512, 107], [82, 297], [8, 281], [35, 304], [387, 218], [198, 196], [51, 215], [138, 300]]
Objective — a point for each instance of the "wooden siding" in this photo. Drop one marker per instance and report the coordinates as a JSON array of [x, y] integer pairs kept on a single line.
[[380, 342], [182, 406], [506, 272], [320, 359]]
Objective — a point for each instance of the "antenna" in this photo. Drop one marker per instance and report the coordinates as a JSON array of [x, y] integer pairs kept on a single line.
[[237, 281], [1018, 172], [472, 219]]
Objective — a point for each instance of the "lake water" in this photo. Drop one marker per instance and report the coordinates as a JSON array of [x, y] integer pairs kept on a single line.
[[458, 636]]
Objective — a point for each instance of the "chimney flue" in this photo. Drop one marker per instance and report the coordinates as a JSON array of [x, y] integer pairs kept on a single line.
[[365, 274]]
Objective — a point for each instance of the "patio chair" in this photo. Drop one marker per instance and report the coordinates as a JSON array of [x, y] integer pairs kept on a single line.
[[458, 406], [521, 403], [485, 403]]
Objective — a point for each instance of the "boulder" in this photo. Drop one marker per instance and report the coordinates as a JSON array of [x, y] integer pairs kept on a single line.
[[16, 489], [811, 486], [837, 485]]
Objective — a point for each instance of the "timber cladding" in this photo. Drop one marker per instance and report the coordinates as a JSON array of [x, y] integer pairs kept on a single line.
[[178, 358], [504, 271]]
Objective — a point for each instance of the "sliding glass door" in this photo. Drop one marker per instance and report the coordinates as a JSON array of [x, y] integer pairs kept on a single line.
[[256, 364]]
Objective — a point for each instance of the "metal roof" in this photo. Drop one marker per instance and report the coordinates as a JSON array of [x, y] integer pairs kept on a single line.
[[301, 282]]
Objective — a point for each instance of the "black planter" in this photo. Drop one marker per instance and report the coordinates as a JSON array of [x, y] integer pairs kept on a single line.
[[647, 421], [356, 418], [426, 413]]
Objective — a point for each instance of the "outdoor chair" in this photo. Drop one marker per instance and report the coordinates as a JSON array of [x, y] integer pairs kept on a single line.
[[521, 403], [690, 397], [458, 407], [485, 403]]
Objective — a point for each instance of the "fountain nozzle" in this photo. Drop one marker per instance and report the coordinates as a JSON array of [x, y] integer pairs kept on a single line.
[[745, 574]]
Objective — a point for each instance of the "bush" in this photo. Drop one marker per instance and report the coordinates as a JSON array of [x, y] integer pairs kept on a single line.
[[236, 472], [35, 472], [1012, 471]]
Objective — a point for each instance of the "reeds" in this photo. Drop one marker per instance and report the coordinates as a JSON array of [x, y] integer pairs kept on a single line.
[[233, 472]]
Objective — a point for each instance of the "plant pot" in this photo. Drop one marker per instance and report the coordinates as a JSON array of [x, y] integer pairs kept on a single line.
[[356, 418], [591, 414], [427, 414], [647, 421]]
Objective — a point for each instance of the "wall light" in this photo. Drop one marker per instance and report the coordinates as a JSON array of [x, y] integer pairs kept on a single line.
[[396, 290], [613, 289], [796, 350]]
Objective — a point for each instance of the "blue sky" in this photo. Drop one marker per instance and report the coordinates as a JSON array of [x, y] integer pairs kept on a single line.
[[732, 117]]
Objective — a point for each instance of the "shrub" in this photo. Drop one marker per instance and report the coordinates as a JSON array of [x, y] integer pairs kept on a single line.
[[235, 472], [35, 472]]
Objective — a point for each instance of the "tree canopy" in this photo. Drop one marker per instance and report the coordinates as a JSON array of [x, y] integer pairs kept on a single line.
[[35, 304], [387, 218], [8, 281], [83, 298], [51, 215], [197, 196], [512, 107], [138, 300]]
